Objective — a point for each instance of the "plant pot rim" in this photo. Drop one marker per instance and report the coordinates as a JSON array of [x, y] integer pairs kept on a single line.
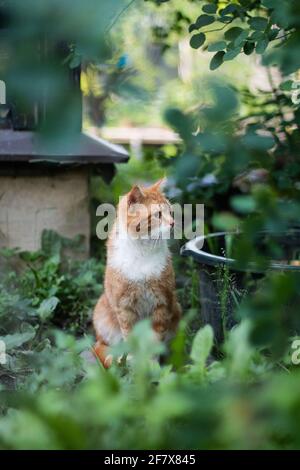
[[203, 257]]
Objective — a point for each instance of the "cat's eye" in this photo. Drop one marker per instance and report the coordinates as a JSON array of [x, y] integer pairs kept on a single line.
[[158, 214]]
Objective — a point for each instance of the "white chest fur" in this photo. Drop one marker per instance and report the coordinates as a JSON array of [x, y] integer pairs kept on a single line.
[[139, 260]]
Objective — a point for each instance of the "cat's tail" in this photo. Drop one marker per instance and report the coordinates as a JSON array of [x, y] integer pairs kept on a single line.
[[100, 349]]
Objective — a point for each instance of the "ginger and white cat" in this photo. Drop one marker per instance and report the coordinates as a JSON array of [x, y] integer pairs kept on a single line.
[[139, 277]]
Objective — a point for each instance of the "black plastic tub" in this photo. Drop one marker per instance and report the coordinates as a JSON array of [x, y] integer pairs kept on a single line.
[[223, 281]]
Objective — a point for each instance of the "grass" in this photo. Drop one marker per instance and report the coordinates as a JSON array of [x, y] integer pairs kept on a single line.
[[247, 399]]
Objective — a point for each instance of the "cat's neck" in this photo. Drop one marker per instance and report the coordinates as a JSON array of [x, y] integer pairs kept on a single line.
[[137, 259]]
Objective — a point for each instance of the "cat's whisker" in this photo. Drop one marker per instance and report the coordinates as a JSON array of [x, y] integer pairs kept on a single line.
[[155, 243]]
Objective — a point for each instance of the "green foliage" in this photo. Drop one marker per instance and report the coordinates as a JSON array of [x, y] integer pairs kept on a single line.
[[197, 40], [191, 401], [217, 60], [241, 154], [272, 311], [41, 291], [245, 26], [229, 404], [201, 348]]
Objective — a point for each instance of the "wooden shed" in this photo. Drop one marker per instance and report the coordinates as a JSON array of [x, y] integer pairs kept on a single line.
[[42, 190]]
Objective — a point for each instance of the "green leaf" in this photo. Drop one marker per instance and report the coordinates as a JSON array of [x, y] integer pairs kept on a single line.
[[273, 34], [225, 221], [217, 46], [239, 350], [18, 339], [214, 142], [243, 204], [210, 8], [231, 54], [258, 142], [197, 40], [182, 123], [202, 345], [225, 19], [249, 47], [229, 9], [75, 61], [204, 20], [261, 46], [232, 33], [258, 23], [241, 38], [47, 307], [270, 3], [287, 85], [257, 35], [217, 60], [192, 27], [187, 166]]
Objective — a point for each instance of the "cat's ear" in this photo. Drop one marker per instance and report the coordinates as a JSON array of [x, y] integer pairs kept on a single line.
[[135, 196], [159, 185]]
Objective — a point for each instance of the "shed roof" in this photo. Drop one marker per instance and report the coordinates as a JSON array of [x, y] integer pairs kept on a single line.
[[26, 147]]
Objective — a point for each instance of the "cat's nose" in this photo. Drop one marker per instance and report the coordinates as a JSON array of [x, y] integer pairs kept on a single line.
[[172, 222]]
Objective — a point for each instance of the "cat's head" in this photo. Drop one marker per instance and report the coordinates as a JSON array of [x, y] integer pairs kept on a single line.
[[146, 213]]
